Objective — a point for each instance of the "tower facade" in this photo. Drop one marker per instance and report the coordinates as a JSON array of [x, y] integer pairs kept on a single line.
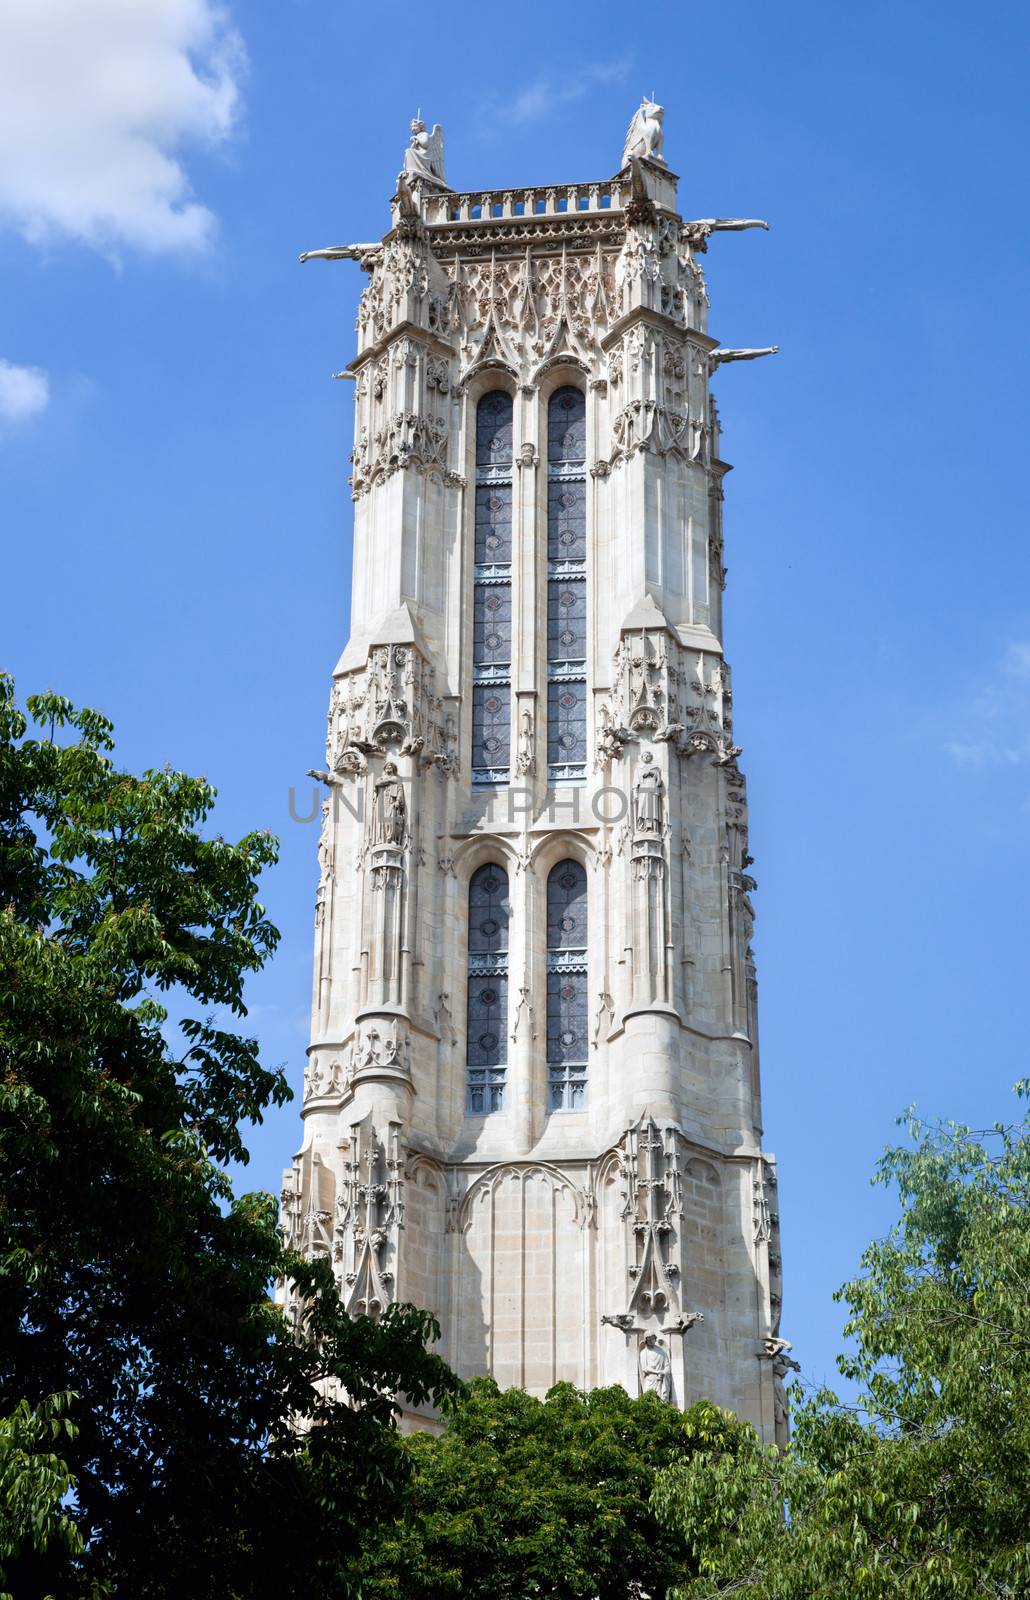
[[532, 1100]]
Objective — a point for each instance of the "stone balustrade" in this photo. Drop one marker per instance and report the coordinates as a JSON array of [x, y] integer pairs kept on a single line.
[[551, 200]]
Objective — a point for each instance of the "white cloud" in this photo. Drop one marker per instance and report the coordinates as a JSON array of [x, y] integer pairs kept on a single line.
[[97, 99], [24, 391], [994, 723], [546, 94]]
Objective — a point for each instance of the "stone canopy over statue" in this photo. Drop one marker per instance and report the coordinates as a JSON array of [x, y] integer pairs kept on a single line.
[[424, 156]]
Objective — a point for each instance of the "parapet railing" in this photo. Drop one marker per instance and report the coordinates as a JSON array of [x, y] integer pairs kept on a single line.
[[553, 200]]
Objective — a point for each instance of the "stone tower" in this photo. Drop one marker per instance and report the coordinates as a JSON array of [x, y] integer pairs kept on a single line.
[[532, 1099]]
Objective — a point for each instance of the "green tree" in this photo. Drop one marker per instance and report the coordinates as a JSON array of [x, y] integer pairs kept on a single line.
[[522, 1497], [923, 1488], [35, 1530], [130, 1276]]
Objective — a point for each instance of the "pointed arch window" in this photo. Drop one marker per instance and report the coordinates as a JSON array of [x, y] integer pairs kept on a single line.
[[566, 587], [487, 1026], [567, 987], [491, 627]]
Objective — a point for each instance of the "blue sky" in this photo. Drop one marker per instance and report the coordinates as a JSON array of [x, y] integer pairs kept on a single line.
[[173, 458]]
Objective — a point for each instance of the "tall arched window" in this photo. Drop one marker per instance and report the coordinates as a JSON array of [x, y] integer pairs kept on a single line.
[[491, 629], [567, 987], [566, 587], [487, 1028]]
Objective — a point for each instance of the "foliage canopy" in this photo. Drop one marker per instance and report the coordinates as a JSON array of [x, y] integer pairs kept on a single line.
[[143, 1369], [524, 1497], [923, 1489]]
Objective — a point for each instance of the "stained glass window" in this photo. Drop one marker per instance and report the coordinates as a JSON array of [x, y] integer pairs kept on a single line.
[[566, 586], [491, 631], [567, 1046], [487, 1026], [493, 430], [567, 726]]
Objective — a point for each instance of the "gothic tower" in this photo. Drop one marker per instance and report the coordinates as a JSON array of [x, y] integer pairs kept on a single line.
[[532, 1098]]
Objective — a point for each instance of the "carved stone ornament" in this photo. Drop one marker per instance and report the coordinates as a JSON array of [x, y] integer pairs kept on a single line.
[[370, 1215], [390, 703], [652, 1209], [326, 1079], [666, 694], [521, 314], [380, 1047]]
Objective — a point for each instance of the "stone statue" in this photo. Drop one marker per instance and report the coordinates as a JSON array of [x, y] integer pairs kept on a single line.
[[424, 156], [524, 759], [523, 1014], [605, 1015], [325, 849], [646, 134], [391, 808], [655, 1368], [775, 1350], [647, 801]]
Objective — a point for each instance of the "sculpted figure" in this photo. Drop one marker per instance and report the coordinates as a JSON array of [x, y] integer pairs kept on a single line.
[[646, 134], [391, 808], [655, 1368], [523, 1015], [782, 1364], [424, 156], [647, 803], [325, 849], [524, 759]]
